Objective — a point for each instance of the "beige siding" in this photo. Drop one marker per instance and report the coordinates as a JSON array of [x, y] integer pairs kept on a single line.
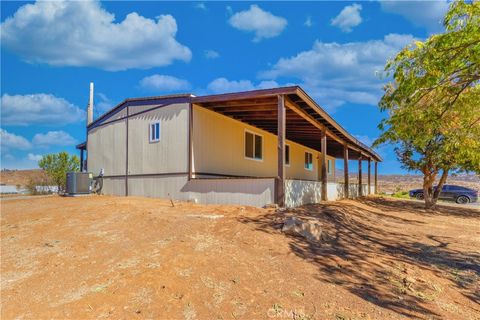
[[218, 143], [106, 147], [114, 186], [120, 114], [170, 154], [254, 192]]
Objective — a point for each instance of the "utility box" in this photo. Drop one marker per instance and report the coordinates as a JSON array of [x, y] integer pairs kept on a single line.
[[79, 183]]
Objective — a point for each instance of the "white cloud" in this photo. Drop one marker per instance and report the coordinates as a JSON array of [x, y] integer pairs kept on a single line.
[[308, 22], [337, 73], [82, 33], [348, 18], [262, 23], [428, 14], [365, 139], [103, 104], [211, 54], [223, 85], [53, 138], [10, 141], [38, 108], [164, 83], [34, 157], [201, 6]]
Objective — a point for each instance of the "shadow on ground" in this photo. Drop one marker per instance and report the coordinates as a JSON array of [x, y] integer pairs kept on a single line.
[[368, 253]]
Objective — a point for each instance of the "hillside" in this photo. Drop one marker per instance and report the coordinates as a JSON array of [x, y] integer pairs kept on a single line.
[[21, 177], [404, 182]]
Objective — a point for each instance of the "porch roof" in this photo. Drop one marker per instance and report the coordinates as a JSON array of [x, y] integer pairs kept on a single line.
[[305, 119]]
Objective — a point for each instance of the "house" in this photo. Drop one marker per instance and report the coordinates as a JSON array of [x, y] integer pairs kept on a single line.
[[253, 148]]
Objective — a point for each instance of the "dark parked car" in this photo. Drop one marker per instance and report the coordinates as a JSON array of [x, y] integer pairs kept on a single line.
[[458, 194]]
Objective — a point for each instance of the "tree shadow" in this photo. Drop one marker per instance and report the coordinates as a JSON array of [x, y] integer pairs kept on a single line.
[[363, 257]]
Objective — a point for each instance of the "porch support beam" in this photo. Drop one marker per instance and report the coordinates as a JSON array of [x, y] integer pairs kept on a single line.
[[81, 160], [345, 171], [376, 177], [280, 180], [360, 191], [323, 143], [369, 174], [190, 142]]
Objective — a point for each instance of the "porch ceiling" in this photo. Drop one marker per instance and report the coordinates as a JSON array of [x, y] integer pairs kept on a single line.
[[261, 111]]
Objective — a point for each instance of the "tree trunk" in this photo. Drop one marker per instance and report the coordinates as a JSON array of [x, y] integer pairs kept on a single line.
[[428, 180], [438, 190], [430, 193]]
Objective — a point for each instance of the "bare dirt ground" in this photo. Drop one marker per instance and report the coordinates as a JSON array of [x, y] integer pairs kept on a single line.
[[134, 258]]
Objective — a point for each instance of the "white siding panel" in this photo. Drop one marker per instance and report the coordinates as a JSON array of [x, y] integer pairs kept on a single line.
[[114, 186], [120, 114], [170, 154], [253, 192], [300, 192], [106, 147]]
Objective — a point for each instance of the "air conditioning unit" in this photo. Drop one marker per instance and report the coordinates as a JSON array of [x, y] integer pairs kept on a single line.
[[79, 183]]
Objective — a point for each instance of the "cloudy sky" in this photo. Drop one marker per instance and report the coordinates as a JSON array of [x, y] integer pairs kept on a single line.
[[335, 50]]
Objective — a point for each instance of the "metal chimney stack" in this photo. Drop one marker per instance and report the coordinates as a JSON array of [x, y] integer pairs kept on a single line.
[[90, 106]]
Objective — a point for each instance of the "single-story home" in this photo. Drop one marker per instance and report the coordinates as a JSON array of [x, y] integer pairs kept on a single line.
[[255, 148]]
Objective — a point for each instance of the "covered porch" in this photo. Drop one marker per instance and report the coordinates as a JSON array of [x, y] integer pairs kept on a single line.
[[289, 113]]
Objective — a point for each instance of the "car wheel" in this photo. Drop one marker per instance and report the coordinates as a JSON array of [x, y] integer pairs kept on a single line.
[[419, 196], [462, 200]]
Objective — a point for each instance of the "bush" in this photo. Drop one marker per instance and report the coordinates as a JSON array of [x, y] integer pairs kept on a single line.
[[401, 194]]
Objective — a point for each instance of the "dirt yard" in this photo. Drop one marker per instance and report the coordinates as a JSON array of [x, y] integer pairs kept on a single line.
[[104, 257]]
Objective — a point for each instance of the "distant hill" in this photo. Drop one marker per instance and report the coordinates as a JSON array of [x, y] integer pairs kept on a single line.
[[404, 182], [21, 177]]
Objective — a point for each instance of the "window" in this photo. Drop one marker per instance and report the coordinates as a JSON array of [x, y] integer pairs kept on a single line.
[[253, 146], [287, 155], [329, 166], [154, 132], [308, 161]]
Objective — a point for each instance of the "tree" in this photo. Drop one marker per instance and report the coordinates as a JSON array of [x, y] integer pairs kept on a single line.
[[433, 103], [57, 165]]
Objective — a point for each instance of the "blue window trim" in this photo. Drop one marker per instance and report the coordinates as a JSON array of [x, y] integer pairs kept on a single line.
[[154, 133]]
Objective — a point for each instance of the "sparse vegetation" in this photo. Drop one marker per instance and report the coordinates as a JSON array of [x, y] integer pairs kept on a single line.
[[57, 165]]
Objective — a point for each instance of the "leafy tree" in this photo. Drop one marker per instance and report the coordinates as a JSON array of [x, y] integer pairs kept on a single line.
[[57, 165], [433, 102]]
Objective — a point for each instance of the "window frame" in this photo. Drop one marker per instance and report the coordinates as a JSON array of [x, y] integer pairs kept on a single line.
[[305, 163], [329, 166], [245, 145], [150, 129]]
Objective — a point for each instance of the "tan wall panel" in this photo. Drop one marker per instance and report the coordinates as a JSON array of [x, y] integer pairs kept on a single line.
[[170, 154], [106, 147], [253, 192], [120, 114], [218, 143], [113, 186]]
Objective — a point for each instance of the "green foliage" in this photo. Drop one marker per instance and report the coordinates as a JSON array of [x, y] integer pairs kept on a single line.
[[433, 102], [401, 195], [57, 165]]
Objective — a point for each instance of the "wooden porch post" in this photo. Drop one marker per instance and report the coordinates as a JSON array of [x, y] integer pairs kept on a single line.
[[324, 164], [376, 177], [81, 160], [190, 142], [345, 171], [360, 191], [280, 180], [368, 178]]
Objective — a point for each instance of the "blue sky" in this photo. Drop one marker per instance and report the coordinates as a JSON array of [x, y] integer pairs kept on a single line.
[[52, 50]]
